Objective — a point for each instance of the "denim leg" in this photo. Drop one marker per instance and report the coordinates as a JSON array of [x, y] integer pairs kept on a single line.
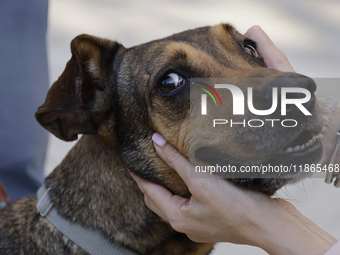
[[23, 87]]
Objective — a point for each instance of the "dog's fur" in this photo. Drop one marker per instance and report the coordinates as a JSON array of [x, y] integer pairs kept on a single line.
[[111, 95]]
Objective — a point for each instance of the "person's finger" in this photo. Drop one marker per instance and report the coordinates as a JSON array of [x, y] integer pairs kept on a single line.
[[153, 207], [143, 186], [172, 157], [273, 56], [178, 162], [159, 199], [199, 239]]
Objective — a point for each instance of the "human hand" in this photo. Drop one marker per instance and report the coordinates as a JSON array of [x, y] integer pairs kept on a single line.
[[272, 55], [203, 217], [218, 211]]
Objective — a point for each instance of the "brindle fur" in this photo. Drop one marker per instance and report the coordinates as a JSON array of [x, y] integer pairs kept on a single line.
[[107, 93]]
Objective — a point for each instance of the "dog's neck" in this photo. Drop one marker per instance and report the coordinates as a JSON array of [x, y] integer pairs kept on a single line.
[[92, 187]]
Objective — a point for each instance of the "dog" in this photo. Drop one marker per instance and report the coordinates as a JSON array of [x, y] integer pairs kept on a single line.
[[117, 98]]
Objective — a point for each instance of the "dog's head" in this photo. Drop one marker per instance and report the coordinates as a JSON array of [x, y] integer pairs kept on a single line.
[[125, 95]]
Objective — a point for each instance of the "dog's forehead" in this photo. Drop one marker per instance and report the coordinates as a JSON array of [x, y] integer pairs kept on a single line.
[[215, 47], [191, 36], [200, 35], [202, 38], [202, 52]]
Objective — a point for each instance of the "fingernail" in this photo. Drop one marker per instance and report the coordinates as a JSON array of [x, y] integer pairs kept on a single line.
[[158, 139]]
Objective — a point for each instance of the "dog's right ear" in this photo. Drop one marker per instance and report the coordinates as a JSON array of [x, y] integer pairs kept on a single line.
[[82, 96]]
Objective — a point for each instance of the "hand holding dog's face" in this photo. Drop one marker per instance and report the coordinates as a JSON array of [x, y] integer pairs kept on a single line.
[[241, 217]]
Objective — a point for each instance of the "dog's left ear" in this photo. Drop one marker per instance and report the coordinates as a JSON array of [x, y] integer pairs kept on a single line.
[[82, 96]]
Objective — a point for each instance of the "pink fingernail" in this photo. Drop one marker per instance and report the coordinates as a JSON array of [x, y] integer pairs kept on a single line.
[[158, 139]]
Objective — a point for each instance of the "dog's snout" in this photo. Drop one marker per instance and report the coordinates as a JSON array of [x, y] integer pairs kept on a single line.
[[299, 80], [291, 80]]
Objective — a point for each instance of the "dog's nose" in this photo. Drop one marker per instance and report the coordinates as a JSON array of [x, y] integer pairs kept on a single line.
[[290, 80]]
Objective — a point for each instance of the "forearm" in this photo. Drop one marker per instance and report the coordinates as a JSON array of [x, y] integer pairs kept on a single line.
[[284, 232]]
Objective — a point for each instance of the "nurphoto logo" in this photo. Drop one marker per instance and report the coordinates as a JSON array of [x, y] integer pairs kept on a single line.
[[238, 104], [238, 99]]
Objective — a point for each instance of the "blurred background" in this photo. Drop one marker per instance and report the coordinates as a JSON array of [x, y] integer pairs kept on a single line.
[[308, 32]]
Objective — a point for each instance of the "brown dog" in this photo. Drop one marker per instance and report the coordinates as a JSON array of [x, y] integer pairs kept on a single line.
[[117, 98]]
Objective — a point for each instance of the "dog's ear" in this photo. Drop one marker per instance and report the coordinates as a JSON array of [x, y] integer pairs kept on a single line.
[[82, 96]]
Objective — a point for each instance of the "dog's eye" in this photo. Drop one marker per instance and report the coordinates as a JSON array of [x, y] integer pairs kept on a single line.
[[251, 50], [171, 82]]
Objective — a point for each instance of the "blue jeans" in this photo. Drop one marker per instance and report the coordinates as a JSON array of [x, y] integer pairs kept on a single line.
[[23, 87]]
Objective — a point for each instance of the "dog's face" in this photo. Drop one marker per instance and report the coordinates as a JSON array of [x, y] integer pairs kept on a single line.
[[125, 95]]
